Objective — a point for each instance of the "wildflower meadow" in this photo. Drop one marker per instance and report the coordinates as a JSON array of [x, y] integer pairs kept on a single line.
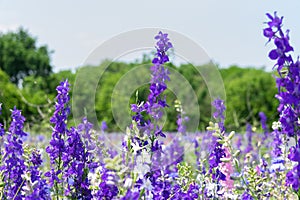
[[78, 162]]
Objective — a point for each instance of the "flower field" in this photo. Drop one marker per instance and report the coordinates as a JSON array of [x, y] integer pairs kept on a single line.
[[148, 163]]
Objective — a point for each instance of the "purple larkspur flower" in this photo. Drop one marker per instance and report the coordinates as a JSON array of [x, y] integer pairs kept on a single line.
[[263, 122], [249, 135], [293, 178], [40, 189], [288, 90], [2, 131], [104, 126], [59, 120], [277, 165], [181, 127], [148, 114], [130, 195], [56, 147], [159, 76], [294, 154], [160, 185], [197, 152], [13, 164], [107, 188], [219, 114], [276, 143], [287, 85], [192, 192], [155, 103], [246, 196], [76, 163], [173, 155], [218, 151]]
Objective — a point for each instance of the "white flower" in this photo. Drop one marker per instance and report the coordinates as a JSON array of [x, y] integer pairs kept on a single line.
[[163, 147], [277, 167], [276, 125], [148, 187], [94, 177], [141, 168], [228, 195], [128, 183], [146, 157], [211, 188], [135, 147]]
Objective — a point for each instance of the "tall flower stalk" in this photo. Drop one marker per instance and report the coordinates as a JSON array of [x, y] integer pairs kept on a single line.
[[156, 102], [75, 163], [13, 165], [288, 83], [249, 135], [148, 115], [36, 187], [263, 122], [57, 143], [2, 131], [218, 152]]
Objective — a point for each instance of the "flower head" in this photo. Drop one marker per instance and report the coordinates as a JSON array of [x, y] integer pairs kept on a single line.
[[57, 142], [13, 164], [288, 93], [219, 114]]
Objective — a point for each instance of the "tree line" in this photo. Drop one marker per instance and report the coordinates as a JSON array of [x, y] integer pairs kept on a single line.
[[28, 82]]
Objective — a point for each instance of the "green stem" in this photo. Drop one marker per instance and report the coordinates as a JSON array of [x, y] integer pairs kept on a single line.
[[19, 189], [56, 183]]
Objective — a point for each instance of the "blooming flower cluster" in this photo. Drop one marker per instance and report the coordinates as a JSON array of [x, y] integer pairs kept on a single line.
[[155, 104], [288, 91], [15, 169], [36, 187], [227, 166], [149, 128], [13, 164], [218, 151], [57, 143], [263, 121], [75, 162]]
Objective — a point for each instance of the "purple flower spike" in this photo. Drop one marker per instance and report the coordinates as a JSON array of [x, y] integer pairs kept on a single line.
[[57, 143], [156, 103], [104, 126], [293, 178], [2, 131], [149, 113], [219, 114], [218, 151], [40, 189], [13, 164], [288, 94]]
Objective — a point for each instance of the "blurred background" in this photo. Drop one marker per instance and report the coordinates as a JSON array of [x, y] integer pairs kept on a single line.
[[42, 43]]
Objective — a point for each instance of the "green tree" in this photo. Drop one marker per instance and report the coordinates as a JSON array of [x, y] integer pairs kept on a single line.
[[248, 92], [9, 96], [20, 56]]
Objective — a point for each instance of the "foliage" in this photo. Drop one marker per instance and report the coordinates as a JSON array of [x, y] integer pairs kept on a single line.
[[249, 90], [20, 56], [9, 96]]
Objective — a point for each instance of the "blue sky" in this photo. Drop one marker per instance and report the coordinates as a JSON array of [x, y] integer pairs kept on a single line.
[[229, 31]]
